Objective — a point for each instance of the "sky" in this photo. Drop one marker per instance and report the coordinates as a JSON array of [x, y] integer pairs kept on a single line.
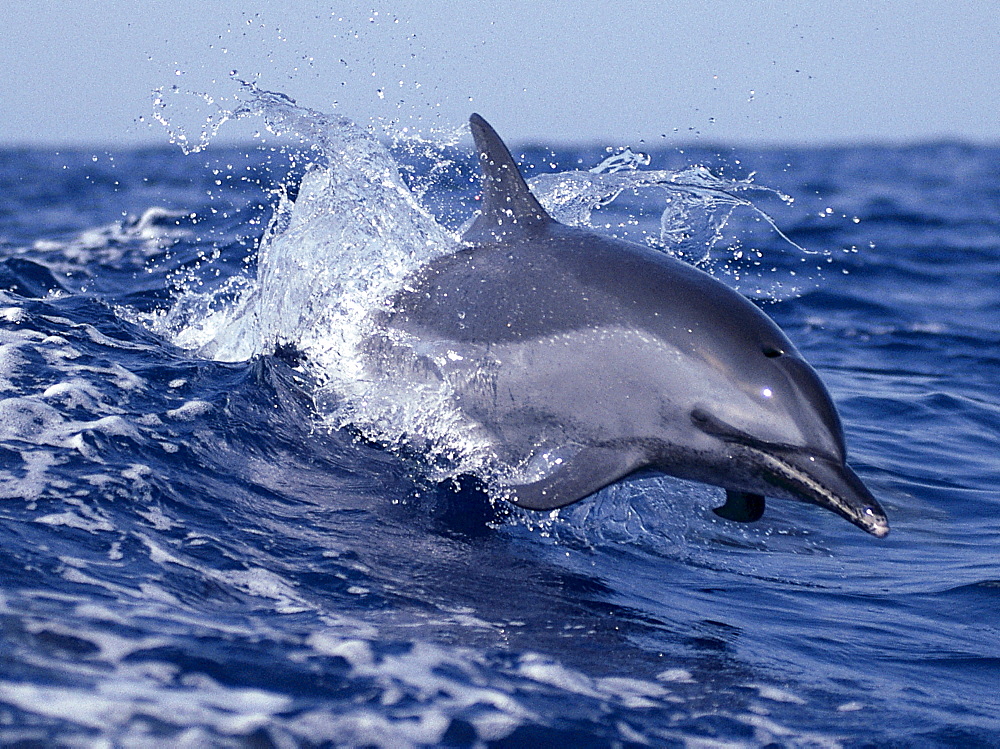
[[82, 72]]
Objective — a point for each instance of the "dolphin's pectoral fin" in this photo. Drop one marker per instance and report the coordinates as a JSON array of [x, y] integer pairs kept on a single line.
[[742, 507], [588, 471]]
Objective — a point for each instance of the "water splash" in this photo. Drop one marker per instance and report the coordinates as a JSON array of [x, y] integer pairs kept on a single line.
[[327, 262], [353, 229], [697, 208], [173, 104]]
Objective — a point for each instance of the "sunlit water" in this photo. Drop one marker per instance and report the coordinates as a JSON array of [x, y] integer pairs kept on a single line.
[[203, 545]]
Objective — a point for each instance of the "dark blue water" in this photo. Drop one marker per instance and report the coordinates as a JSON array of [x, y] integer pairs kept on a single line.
[[189, 557]]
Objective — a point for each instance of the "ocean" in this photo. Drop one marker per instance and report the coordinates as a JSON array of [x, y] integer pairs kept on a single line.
[[213, 532]]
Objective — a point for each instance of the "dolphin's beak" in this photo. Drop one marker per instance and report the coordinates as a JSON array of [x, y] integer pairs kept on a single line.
[[829, 484]]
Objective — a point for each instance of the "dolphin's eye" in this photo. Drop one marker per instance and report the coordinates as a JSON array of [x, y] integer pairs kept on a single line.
[[772, 353]]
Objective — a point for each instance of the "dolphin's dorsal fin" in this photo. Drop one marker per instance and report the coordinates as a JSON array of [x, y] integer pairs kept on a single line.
[[508, 207]]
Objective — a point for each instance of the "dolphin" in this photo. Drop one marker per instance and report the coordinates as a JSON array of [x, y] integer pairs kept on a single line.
[[583, 359]]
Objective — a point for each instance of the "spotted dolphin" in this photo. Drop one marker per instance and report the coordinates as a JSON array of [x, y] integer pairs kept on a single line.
[[584, 358]]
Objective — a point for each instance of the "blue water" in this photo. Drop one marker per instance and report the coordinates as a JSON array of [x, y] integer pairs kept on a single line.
[[191, 555]]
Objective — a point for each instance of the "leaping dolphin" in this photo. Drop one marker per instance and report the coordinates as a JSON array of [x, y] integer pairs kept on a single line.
[[586, 358]]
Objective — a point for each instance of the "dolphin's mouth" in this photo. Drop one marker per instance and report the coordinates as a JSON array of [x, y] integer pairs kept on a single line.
[[823, 482], [806, 476]]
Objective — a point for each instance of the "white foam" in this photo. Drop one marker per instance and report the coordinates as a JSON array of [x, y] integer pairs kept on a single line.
[[120, 377], [263, 583], [777, 695], [850, 707], [546, 671], [29, 420], [118, 701], [770, 732], [71, 519], [626, 691], [111, 647], [15, 315], [253, 581], [55, 349], [76, 575], [19, 336], [423, 674], [365, 727], [154, 515], [358, 653], [12, 361], [190, 411], [679, 675], [32, 484], [131, 242], [76, 393], [632, 692]]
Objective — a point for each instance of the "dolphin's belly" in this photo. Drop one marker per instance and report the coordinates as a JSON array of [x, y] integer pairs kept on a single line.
[[592, 384], [584, 387]]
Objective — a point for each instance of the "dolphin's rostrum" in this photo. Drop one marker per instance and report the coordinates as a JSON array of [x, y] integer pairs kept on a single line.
[[585, 358]]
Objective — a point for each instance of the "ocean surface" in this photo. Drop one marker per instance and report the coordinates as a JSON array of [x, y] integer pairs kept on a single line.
[[203, 544]]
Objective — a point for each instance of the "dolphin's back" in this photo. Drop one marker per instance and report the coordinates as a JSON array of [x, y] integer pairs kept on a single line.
[[524, 275], [558, 279]]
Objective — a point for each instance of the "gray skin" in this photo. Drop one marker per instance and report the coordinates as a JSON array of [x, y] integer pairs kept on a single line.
[[585, 358]]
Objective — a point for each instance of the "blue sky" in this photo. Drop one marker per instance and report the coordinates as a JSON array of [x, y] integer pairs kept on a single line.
[[81, 71]]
